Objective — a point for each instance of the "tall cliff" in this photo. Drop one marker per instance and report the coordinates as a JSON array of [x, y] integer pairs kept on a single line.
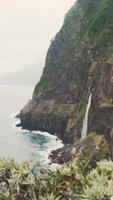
[[79, 61]]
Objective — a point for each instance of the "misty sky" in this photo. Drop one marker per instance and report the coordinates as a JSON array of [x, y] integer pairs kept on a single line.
[[26, 27]]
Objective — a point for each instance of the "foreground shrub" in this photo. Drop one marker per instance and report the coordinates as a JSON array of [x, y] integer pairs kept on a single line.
[[31, 182], [100, 182], [27, 182]]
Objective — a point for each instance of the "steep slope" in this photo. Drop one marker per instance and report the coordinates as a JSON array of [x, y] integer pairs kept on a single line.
[[79, 61]]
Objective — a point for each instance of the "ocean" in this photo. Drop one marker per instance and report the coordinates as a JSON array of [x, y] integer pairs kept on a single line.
[[15, 143]]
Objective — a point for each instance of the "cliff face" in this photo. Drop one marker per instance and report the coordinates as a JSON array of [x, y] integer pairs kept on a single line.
[[79, 61]]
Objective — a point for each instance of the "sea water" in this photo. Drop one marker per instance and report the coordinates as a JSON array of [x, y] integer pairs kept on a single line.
[[16, 143]]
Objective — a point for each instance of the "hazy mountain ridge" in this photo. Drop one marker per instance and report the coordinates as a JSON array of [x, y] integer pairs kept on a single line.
[[25, 76]]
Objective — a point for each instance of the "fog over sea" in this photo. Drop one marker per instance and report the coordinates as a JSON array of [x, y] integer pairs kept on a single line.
[[17, 143]]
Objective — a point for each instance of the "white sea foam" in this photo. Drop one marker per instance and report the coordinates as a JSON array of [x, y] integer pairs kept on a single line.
[[12, 115], [41, 153]]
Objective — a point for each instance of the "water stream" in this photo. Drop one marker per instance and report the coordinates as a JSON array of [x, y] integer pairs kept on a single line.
[[85, 121]]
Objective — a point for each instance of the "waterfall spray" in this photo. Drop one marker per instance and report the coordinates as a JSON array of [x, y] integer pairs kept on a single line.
[[85, 121]]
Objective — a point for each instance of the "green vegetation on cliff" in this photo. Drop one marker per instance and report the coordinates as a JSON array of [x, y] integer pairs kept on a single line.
[[88, 24], [99, 23]]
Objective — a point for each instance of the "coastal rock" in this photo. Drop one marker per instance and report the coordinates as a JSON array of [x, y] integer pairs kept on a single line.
[[87, 151], [79, 61]]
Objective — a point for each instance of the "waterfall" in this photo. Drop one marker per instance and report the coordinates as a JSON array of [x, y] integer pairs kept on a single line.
[[85, 121]]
